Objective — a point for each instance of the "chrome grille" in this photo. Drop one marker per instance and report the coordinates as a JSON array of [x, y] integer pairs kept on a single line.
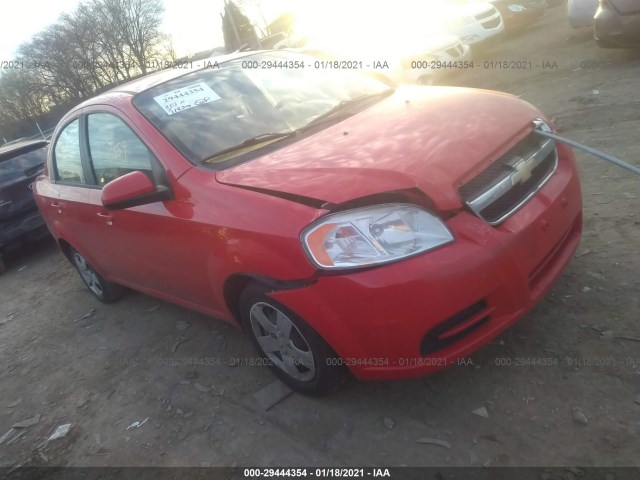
[[511, 180]]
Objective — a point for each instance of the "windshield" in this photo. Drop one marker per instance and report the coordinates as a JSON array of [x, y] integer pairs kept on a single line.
[[214, 110], [22, 166]]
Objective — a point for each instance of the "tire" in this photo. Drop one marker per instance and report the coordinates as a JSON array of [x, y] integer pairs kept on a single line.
[[300, 358], [104, 291]]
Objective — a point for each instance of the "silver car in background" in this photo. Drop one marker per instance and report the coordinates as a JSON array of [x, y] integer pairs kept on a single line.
[[580, 12]]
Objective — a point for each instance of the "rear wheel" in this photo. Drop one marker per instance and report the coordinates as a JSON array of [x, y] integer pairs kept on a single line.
[[295, 352], [104, 291]]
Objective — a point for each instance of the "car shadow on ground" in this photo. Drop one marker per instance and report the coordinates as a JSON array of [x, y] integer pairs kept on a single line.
[[20, 256]]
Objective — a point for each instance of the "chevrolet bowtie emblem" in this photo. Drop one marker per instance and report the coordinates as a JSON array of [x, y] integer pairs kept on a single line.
[[522, 171]]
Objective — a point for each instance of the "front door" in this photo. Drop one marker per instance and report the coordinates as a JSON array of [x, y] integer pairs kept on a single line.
[[146, 247]]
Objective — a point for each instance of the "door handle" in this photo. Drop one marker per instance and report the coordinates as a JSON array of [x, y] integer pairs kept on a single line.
[[55, 204], [107, 216]]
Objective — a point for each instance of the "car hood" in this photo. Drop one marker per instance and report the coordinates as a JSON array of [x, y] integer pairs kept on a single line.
[[431, 138]]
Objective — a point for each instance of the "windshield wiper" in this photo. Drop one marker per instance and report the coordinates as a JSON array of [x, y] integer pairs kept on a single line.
[[262, 138], [345, 104], [266, 137]]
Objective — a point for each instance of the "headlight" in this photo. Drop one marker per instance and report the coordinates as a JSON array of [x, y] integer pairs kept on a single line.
[[514, 7], [373, 235]]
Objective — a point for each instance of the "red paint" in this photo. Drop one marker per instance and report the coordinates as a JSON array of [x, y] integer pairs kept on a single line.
[[186, 249], [128, 186]]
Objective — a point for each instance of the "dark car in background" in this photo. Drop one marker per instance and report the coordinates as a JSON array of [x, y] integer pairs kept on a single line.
[[519, 13], [617, 24], [20, 220]]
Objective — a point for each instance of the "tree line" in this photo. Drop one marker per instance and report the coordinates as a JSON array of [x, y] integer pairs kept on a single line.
[[102, 43]]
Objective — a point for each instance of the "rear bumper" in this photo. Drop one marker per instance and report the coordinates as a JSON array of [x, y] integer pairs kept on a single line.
[[381, 321], [18, 228]]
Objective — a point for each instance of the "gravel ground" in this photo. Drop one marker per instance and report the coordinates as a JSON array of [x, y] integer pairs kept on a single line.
[[66, 358]]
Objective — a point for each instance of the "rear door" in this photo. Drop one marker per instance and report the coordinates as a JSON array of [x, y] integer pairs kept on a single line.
[[64, 196]]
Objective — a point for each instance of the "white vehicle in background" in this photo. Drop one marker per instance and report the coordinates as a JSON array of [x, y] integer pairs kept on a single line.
[[473, 21], [439, 57], [413, 57]]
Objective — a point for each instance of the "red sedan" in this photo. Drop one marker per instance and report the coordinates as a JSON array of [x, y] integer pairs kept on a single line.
[[344, 225]]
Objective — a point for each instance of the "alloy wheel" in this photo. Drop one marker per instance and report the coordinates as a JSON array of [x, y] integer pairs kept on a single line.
[[88, 274], [282, 342]]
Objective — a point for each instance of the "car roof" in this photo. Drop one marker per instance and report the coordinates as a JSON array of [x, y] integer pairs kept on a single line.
[[153, 79], [14, 149]]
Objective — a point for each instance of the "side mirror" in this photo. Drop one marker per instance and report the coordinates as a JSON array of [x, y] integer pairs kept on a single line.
[[131, 190]]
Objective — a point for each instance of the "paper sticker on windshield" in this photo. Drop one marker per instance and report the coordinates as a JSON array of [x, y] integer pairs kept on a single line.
[[186, 97]]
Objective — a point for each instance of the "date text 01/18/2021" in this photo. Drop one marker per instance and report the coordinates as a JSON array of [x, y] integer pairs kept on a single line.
[[316, 472], [401, 362]]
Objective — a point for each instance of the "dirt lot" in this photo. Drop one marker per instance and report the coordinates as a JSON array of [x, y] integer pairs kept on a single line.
[[70, 359]]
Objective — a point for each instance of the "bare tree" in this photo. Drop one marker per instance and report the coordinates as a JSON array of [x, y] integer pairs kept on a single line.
[[136, 24], [18, 101], [100, 43], [237, 30]]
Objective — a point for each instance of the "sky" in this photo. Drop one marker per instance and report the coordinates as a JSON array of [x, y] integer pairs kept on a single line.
[[194, 25], [24, 18]]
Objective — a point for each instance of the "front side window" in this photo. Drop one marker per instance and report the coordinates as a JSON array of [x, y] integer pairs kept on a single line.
[[115, 149], [68, 162]]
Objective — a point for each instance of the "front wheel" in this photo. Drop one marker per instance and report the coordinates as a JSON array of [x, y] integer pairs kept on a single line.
[[295, 352], [104, 291]]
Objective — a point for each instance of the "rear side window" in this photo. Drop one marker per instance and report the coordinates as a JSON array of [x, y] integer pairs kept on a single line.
[[24, 165], [115, 149], [67, 155]]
